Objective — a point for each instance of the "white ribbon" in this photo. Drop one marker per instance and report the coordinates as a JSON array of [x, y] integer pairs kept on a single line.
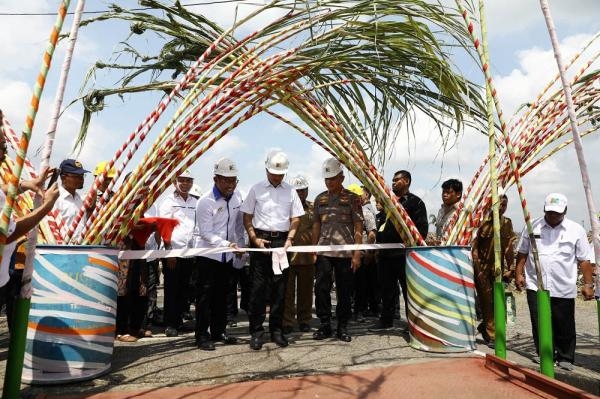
[[190, 252]]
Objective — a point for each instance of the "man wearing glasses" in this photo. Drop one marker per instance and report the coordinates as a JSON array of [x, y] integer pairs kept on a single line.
[[69, 201], [272, 211], [218, 224]]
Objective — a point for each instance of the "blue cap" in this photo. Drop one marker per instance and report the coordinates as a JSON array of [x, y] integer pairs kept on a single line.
[[72, 166]]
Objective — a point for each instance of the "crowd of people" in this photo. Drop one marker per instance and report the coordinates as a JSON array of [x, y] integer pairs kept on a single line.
[[276, 215]]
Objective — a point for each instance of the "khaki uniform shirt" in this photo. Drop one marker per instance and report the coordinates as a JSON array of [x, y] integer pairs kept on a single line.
[[483, 246], [304, 236], [337, 214]]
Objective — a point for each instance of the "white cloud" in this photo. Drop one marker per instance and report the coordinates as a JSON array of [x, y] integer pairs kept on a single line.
[[512, 16]]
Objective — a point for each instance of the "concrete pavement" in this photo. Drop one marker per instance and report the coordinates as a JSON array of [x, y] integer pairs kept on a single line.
[[160, 362]]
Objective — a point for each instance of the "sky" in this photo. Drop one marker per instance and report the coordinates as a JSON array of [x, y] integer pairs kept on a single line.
[[521, 58]]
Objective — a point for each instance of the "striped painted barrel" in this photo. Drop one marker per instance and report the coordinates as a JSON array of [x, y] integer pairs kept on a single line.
[[441, 298], [71, 329]]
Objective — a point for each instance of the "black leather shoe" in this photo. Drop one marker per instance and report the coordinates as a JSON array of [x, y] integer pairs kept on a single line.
[[322, 333], [205, 344], [171, 332], [226, 339], [287, 329], [279, 339], [256, 343], [381, 326], [304, 327], [344, 336]]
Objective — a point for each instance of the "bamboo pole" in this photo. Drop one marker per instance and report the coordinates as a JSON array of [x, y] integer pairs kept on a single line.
[[16, 351]]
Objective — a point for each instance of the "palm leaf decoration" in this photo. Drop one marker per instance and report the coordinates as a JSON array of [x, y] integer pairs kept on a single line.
[[370, 62], [353, 72]]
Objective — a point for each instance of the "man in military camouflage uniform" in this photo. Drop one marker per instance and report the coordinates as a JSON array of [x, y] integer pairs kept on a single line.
[[338, 221]]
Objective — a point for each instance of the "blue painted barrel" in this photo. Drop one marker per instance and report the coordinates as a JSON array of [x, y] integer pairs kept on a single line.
[[71, 329], [441, 298]]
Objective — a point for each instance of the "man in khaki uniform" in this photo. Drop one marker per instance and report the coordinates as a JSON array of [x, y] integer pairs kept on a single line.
[[299, 290], [484, 266], [338, 220]]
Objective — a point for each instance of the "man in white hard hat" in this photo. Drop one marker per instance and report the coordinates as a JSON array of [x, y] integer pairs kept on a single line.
[[179, 205], [272, 211], [218, 224], [299, 301], [562, 246], [338, 221]]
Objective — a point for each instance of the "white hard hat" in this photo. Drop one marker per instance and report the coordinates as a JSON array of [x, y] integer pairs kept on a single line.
[[195, 190], [225, 167], [299, 182], [186, 174], [331, 168], [277, 163]]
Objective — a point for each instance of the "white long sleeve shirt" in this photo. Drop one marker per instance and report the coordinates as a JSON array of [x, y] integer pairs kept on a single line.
[[175, 207], [219, 223]]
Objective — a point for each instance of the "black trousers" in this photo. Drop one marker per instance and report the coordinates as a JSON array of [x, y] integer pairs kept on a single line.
[[175, 290], [211, 294], [393, 270], [263, 280], [152, 286], [563, 326], [235, 276], [367, 294], [325, 269]]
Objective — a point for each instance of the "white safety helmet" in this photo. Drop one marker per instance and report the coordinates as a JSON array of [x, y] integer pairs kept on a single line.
[[277, 163], [225, 167], [331, 168], [195, 191], [299, 182], [186, 174]]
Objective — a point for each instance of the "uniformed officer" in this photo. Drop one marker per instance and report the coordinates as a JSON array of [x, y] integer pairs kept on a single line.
[[338, 220], [272, 213], [218, 224], [299, 291]]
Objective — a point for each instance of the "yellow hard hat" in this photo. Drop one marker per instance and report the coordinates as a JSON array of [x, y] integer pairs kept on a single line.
[[355, 188], [101, 167]]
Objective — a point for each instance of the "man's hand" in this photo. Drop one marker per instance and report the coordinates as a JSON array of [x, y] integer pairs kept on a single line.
[[262, 243], [519, 281], [507, 276], [37, 185], [587, 292], [238, 252]]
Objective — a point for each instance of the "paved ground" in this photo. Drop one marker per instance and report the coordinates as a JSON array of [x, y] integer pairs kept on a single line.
[[161, 362]]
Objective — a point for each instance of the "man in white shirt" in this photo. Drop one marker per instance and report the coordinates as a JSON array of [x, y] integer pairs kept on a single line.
[[69, 201], [562, 245], [272, 213], [218, 224], [177, 271]]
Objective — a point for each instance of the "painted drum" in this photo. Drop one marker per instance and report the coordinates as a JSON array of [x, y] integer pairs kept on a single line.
[[441, 298], [71, 329]]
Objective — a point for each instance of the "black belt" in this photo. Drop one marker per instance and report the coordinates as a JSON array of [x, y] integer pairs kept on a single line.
[[270, 234]]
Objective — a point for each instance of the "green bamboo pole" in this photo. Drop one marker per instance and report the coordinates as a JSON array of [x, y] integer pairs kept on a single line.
[[499, 305], [545, 333], [500, 319], [16, 350]]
